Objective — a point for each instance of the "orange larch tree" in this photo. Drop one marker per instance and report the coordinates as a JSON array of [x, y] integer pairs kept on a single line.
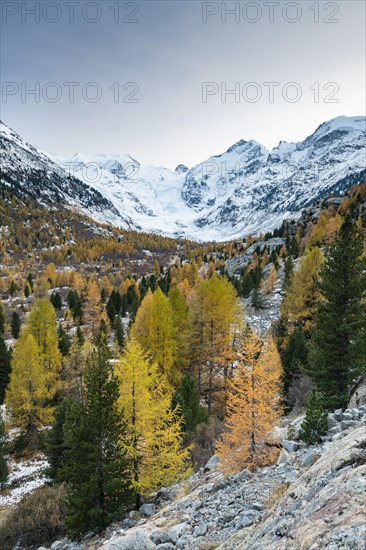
[[253, 406]]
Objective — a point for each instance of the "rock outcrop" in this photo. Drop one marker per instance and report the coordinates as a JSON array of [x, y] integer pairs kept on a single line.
[[322, 509]]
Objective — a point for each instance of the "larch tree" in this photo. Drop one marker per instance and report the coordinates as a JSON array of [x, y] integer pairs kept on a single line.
[[154, 331], [42, 325], [181, 327], [271, 281], [253, 406], [154, 433], [93, 306], [303, 296], [214, 317], [29, 392]]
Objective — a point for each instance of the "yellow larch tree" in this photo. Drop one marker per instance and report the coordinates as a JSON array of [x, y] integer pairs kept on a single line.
[[154, 331], [214, 316], [42, 325], [253, 406], [302, 298], [181, 327], [29, 393], [154, 442]]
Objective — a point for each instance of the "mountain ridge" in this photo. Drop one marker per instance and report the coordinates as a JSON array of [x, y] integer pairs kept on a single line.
[[247, 189]]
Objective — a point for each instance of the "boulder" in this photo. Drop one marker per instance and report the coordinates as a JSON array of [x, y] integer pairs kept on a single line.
[[244, 522], [184, 542], [358, 398], [310, 458], [166, 546], [332, 422], [135, 540], [174, 534], [256, 506], [338, 414], [200, 530], [290, 446], [335, 430], [290, 476], [211, 464], [163, 494], [283, 457], [57, 545], [345, 424], [147, 510]]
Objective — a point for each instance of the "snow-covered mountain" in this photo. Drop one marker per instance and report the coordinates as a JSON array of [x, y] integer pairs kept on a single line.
[[247, 189], [28, 171]]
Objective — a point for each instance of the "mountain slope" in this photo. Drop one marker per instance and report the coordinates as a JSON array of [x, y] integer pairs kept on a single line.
[[247, 189], [27, 171]]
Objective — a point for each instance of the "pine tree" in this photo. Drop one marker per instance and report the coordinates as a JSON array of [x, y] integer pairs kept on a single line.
[[5, 368], [2, 320], [338, 352], [96, 469], [253, 406], [15, 325], [246, 285], [288, 273], [257, 300], [316, 419], [80, 336], [13, 289], [55, 444], [119, 332], [26, 291], [3, 452], [186, 396], [154, 437], [56, 300], [64, 343], [294, 357]]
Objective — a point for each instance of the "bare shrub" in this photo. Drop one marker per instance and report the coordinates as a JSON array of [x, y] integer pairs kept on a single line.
[[37, 520]]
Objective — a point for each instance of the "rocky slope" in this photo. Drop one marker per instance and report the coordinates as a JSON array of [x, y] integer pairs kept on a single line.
[[312, 498], [247, 189]]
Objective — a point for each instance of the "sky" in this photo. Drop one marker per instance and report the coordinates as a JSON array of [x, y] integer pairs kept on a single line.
[[152, 79]]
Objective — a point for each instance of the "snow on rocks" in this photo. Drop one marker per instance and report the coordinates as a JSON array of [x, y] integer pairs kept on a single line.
[[23, 479]]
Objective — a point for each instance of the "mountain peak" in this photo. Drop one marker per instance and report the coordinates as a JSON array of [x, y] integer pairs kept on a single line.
[[181, 169]]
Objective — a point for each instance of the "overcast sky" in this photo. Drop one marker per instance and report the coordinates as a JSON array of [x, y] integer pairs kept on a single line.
[[167, 50]]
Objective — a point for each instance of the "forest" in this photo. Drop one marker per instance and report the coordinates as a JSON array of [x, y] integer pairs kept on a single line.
[[127, 360]]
